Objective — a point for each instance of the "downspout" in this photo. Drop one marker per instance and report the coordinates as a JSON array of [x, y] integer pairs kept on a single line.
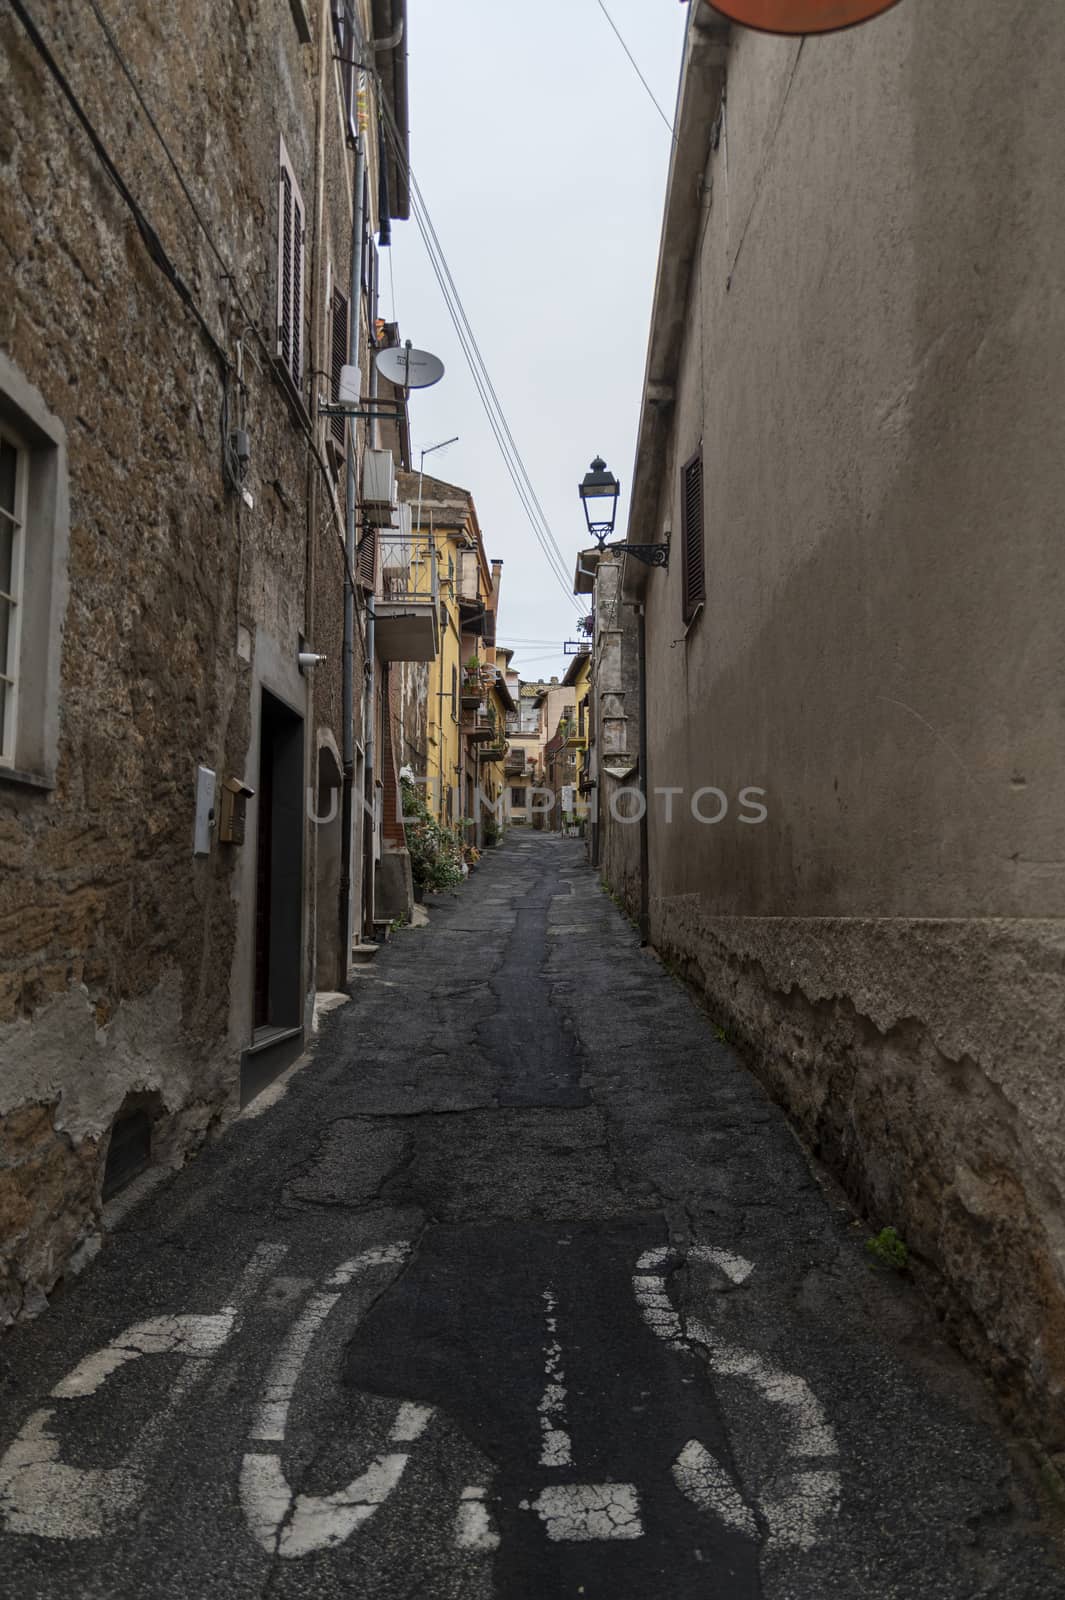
[[645, 887], [358, 226], [370, 712]]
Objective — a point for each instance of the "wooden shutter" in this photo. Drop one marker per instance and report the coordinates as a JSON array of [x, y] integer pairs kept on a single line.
[[296, 367], [290, 270], [366, 560], [339, 332], [693, 573]]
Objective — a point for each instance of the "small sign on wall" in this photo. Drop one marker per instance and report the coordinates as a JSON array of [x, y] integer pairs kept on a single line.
[[801, 16]]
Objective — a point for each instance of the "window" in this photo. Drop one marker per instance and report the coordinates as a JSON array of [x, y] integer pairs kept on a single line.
[[290, 249], [34, 531], [14, 465], [517, 798], [349, 42], [454, 690], [339, 349], [693, 569]]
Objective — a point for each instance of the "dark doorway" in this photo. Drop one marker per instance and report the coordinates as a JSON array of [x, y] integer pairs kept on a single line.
[[278, 1002]]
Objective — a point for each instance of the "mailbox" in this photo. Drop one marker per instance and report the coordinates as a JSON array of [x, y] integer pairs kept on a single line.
[[232, 810]]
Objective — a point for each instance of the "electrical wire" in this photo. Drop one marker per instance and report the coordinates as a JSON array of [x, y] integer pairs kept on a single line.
[[478, 369], [636, 68], [250, 324], [152, 242]]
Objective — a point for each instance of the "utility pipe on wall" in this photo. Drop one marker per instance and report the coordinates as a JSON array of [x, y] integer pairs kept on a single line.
[[358, 229], [645, 887]]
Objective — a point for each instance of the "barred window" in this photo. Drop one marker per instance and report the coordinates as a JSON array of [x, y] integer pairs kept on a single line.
[[693, 568]]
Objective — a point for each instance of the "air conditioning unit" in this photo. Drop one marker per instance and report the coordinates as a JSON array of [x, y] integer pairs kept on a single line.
[[379, 498]]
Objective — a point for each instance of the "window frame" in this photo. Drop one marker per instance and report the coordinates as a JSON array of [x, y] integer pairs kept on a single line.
[[349, 40], [692, 604], [10, 673], [338, 425]]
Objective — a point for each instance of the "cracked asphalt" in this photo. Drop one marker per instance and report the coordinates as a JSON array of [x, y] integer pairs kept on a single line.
[[521, 1289]]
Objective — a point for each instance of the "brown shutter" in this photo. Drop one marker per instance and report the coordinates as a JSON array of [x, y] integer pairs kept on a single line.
[[693, 573], [366, 557], [337, 425], [297, 291], [290, 248], [284, 270]]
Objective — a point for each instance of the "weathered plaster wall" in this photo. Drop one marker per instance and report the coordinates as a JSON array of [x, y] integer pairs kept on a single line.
[[123, 959], [873, 366]]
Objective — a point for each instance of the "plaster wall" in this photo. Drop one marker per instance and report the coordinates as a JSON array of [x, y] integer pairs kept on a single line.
[[872, 363]]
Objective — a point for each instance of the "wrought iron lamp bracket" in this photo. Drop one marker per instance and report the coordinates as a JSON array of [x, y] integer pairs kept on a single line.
[[652, 555]]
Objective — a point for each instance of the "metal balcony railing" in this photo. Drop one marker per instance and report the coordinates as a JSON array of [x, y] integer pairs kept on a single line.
[[407, 568]]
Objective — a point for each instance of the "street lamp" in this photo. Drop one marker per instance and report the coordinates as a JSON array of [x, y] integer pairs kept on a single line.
[[599, 490]]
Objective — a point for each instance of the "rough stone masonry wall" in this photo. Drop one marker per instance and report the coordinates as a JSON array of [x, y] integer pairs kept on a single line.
[[115, 943], [921, 1062]]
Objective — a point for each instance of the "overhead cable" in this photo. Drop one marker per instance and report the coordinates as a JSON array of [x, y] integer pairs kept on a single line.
[[636, 68], [478, 369]]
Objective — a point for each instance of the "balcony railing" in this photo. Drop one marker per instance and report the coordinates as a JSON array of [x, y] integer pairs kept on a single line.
[[406, 602]]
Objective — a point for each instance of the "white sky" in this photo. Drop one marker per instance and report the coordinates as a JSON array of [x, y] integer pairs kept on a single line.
[[543, 163]]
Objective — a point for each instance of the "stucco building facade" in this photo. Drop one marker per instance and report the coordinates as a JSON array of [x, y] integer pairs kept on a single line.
[[849, 437]]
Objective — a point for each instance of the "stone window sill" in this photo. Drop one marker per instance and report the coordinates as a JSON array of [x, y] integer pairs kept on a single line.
[[26, 780]]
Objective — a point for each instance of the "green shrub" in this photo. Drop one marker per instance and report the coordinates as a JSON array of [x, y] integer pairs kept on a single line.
[[888, 1249], [435, 853]]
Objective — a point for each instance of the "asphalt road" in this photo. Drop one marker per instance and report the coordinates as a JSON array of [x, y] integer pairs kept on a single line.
[[520, 1288]]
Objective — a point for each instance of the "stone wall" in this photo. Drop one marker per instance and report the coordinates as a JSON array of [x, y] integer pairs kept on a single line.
[[124, 959]]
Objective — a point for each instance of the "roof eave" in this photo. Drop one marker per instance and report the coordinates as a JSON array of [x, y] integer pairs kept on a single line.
[[699, 100]]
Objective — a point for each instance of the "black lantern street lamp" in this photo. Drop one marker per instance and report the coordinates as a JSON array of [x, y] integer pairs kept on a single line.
[[599, 490]]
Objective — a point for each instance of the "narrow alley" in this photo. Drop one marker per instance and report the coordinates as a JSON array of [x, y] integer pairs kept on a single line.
[[519, 1287]]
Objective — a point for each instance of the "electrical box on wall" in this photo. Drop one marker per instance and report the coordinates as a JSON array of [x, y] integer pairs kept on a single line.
[[232, 810], [201, 832]]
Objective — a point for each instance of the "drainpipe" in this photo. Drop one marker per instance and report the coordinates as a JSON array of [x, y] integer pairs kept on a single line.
[[358, 227], [645, 887], [370, 713]]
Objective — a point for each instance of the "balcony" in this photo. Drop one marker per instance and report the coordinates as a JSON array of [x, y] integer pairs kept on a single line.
[[483, 727], [474, 682], [405, 606]]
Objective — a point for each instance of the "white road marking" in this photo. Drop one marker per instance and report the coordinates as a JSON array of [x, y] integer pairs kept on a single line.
[[295, 1525], [473, 1522], [578, 1513], [272, 1415], [710, 1487], [160, 1336], [411, 1422], [288, 1524], [738, 1268], [802, 1496], [42, 1494], [556, 1448]]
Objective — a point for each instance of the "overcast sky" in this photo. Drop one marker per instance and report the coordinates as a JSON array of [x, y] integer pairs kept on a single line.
[[543, 163]]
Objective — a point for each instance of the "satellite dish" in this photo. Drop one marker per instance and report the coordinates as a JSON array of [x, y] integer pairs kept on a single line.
[[408, 368], [802, 16]]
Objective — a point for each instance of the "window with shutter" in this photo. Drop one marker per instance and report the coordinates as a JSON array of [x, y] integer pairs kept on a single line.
[[338, 425], [366, 556], [290, 246], [693, 573]]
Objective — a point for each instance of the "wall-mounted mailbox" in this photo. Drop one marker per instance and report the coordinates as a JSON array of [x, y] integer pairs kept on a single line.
[[232, 810]]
